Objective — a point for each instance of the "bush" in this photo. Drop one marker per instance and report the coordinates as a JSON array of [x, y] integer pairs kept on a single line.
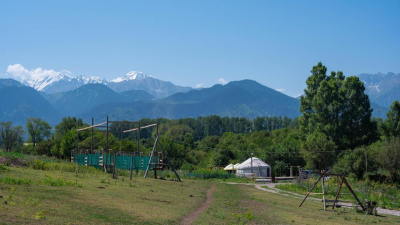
[[15, 181], [60, 182]]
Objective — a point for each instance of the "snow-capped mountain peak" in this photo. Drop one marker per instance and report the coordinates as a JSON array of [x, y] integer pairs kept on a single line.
[[90, 80], [51, 81], [132, 75], [41, 82]]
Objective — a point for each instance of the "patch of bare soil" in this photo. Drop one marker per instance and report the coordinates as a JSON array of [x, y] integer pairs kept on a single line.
[[189, 218], [13, 162]]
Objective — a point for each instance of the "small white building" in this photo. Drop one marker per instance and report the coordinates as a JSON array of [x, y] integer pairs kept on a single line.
[[253, 167]]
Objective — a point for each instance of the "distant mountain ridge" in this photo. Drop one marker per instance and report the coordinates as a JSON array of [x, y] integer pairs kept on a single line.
[[378, 85], [133, 80], [21, 102], [153, 86], [78, 101], [244, 98]]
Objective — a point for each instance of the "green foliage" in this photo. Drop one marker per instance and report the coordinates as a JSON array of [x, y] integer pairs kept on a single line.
[[387, 157], [38, 164], [15, 181], [66, 125], [60, 182], [38, 130], [10, 136], [318, 151], [44, 147], [391, 126], [283, 151], [338, 107], [2, 168]]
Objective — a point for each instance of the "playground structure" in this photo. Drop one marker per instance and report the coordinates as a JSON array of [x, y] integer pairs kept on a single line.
[[111, 160], [341, 179]]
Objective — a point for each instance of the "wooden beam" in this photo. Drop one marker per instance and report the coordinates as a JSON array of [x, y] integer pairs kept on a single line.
[[85, 128], [315, 183]]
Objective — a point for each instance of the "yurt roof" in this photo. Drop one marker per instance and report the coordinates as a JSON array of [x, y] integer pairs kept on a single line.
[[236, 165], [229, 167], [256, 163]]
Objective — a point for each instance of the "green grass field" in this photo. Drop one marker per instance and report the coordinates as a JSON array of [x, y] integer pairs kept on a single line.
[[55, 197]]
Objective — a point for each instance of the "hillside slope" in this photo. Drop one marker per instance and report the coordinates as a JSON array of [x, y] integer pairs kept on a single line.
[[20, 103]]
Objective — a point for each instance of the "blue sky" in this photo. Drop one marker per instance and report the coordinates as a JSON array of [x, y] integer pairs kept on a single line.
[[199, 42]]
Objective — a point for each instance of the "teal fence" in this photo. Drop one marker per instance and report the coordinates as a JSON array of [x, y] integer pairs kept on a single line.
[[122, 162]]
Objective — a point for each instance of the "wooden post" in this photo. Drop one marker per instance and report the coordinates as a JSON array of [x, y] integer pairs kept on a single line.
[[107, 152], [323, 189], [130, 171], [339, 189], [77, 136], [91, 144], [354, 194], [151, 156], [138, 148], [115, 159], [120, 145], [315, 183]]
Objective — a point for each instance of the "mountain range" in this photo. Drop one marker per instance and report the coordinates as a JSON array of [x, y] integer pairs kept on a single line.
[[62, 82], [137, 96], [239, 98]]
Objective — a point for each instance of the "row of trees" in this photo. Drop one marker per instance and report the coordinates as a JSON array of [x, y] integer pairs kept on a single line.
[[12, 137]]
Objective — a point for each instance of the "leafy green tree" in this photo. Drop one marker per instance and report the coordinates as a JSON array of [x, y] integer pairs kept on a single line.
[[357, 127], [9, 135], [68, 142], [222, 157], [338, 107], [66, 124], [353, 163], [318, 151], [388, 158], [44, 147], [391, 126], [38, 130]]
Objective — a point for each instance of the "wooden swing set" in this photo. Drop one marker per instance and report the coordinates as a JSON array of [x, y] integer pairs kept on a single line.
[[341, 178]]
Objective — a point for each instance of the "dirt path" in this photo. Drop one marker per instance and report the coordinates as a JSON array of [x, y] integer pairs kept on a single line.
[[189, 218]]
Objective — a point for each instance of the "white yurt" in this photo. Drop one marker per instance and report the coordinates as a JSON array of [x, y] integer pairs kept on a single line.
[[260, 168], [229, 167]]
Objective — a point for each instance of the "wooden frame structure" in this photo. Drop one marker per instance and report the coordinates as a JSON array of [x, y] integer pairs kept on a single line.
[[159, 165], [109, 165], [342, 180]]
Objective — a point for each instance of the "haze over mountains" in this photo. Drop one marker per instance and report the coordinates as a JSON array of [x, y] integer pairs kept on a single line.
[[137, 95]]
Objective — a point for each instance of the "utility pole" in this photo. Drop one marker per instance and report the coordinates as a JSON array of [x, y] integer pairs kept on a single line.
[[251, 158]]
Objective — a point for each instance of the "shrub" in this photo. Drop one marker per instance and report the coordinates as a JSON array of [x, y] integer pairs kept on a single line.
[[15, 181], [59, 182]]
